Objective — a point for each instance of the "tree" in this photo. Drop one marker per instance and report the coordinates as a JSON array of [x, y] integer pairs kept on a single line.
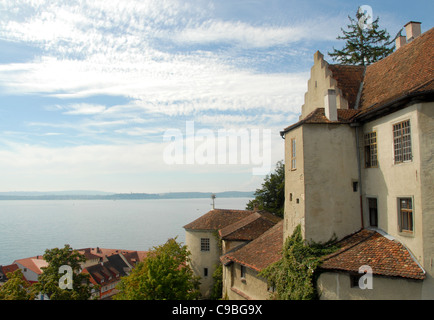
[[16, 288], [293, 276], [364, 45], [271, 197], [217, 288], [54, 282], [163, 275]]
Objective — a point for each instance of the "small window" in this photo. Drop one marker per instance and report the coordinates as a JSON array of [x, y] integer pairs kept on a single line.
[[205, 272], [371, 150], [204, 244], [243, 272], [402, 141], [354, 280], [293, 155], [405, 215], [373, 212], [355, 186]]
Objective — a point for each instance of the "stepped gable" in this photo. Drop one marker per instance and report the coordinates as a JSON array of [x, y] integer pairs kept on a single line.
[[385, 86]]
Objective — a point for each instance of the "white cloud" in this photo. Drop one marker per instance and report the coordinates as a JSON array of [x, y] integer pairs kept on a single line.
[[84, 109], [107, 47], [137, 50]]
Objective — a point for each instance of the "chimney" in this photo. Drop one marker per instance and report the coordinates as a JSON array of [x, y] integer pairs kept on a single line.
[[412, 30], [400, 42], [330, 108]]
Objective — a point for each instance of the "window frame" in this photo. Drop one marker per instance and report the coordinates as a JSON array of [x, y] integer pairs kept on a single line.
[[242, 272], [205, 245], [402, 145], [370, 200], [371, 149], [408, 214], [293, 154]]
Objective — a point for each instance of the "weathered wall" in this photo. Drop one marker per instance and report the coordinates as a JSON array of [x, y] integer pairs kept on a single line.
[[203, 259], [337, 286], [332, 207]]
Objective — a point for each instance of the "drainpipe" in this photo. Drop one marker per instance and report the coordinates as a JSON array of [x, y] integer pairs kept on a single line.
[[359, 167]]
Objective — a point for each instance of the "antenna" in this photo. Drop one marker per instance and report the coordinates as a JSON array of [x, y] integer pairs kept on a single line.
[[213, 196]]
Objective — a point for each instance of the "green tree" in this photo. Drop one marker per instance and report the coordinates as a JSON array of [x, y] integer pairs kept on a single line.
[[163, 275], [217, 288], [16, 288], [271, 196], [363, 45], [49, 282], [293, 276]]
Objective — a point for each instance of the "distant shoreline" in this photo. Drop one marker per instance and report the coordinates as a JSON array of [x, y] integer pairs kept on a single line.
[[124, 196]]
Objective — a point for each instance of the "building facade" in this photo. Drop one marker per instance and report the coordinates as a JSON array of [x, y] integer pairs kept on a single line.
[[360, 158], [224, 236]]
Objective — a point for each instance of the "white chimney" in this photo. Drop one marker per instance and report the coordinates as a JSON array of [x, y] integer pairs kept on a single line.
[[330, 108], [412, 30], [400, 42]]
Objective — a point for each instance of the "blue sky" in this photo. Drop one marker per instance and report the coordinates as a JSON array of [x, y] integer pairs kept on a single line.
[[89, 88]]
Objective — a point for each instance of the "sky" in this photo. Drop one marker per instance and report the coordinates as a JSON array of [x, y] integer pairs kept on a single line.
[[138, 96]]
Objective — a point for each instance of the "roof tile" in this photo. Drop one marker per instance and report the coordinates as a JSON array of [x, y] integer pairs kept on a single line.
[[386, 257], [261, 252], [217, 219]]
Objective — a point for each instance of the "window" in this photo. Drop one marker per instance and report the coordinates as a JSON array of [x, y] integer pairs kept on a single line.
[[373, 213], [293, 154], [405, 215], [371, 150], [205, 272], [355, 186], [204, 244], [354, 280], [243, 272], [402, 141]]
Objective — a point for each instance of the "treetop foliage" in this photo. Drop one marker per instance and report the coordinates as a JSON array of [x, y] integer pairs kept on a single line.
[[363, 46]]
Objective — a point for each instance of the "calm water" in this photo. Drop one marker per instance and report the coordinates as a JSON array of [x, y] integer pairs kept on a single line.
[[29, 227]]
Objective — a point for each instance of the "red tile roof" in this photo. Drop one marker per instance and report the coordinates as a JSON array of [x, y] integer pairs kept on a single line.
[[33, 263], [406, 72], [97, 253], [9, 268], [402, 72], [318, 117], [386, 257], [217, 219], [261, 252], [348, 79], [250, 227]]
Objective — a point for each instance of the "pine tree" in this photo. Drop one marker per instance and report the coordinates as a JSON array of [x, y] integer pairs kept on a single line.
[[364, 45], [271, 197]]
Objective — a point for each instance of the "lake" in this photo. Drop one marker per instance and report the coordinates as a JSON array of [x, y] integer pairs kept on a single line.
[[29, 227]]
